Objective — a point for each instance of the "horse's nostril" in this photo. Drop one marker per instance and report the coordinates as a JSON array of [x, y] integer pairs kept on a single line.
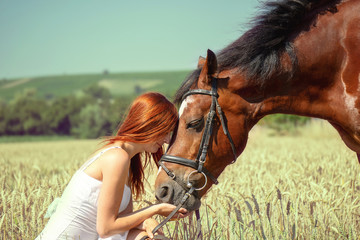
[[163, 192]]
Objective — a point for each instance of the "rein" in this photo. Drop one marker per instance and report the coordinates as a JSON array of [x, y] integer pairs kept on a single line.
[[198, 164]]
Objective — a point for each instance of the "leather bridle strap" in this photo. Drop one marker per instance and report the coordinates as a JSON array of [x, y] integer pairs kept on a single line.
[[183, 200], [179, 181], [199, 91], [204, 144], [225, 129], [184, 162]]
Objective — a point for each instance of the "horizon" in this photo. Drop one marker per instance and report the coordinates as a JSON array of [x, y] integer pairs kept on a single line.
[[42, 38]]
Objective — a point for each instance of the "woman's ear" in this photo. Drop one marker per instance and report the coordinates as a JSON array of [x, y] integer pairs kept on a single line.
[[209, 68]]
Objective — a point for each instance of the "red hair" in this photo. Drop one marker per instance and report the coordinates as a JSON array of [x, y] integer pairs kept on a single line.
[[150, 117]]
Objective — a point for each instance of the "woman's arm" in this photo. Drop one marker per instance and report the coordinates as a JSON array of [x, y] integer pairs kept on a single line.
[[115, 167], [147, 225], [128, 209]]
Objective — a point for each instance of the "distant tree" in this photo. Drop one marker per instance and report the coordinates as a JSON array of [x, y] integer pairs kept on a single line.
[[3, 113], [138, 90], [90, 115], [25, 114], [62, 114], [285, 123], [49, 96], [83, 117], [97, 92], [93, 122], [117, 112], [106, 72]]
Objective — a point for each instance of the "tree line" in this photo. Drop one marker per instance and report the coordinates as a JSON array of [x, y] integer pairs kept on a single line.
[[92, 114]]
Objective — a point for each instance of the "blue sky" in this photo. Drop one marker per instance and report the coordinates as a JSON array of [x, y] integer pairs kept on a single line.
[[42, 37]]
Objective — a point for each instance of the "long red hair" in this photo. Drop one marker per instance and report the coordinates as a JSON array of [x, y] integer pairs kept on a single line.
[[150, 117]]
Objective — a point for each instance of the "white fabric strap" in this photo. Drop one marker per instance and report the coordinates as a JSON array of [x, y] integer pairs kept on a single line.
[[91, 160]]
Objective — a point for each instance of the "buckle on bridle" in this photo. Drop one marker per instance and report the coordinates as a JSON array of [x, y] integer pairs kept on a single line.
[[189, 185], [172, 175]]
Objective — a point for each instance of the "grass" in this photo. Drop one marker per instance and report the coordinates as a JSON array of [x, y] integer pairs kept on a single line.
[[126, 86], [282, 187]]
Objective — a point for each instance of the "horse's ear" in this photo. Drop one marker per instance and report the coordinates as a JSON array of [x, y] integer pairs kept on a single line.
[[208, 69], [201, 62], [210, 62]]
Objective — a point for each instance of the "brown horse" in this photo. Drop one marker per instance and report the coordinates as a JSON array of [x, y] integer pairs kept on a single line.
[[300, 57]]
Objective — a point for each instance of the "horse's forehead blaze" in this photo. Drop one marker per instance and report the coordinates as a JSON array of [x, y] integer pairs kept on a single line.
[[184, 104], [159, 171]]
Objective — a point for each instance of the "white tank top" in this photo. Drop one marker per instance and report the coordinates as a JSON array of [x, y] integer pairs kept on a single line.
[[127, 191], [76, 213]]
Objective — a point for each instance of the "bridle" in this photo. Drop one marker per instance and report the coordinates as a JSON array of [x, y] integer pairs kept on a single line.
[[198, 164]]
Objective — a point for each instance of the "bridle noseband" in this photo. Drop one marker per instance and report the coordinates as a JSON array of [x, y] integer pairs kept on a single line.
[[199, 162]]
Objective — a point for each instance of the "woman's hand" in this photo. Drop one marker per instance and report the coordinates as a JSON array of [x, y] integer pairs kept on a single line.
[[148, 225], [165, 209]]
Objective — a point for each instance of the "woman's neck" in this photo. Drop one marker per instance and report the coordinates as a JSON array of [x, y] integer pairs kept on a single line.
[[131, 148]]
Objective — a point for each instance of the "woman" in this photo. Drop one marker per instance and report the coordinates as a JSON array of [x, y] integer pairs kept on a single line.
[[97, 201]]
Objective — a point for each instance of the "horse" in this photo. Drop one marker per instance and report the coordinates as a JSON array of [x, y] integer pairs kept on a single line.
[[299, 57]]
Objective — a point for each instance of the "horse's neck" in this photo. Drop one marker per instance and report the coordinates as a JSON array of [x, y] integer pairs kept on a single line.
[[314, 100], [317, 87], [301, 104], [304, 96]]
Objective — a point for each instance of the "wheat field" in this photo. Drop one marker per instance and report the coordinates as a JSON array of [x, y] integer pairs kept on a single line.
[[301, 186]]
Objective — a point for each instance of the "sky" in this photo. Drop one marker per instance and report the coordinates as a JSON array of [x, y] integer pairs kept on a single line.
[[42, 37]]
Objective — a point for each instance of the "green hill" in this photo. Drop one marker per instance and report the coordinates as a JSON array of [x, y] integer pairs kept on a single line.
[[119, 84]]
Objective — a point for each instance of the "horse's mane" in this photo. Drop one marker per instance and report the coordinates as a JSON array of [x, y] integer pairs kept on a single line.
[[257, 52]]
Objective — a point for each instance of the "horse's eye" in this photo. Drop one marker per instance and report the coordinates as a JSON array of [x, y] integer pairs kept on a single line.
[[197, 123]]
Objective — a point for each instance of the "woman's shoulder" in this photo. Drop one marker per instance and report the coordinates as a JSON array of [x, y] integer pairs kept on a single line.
[[114, 153], [113, 157]]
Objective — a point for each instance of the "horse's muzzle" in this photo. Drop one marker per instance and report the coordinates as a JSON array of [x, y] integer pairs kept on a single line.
[[171, 192]]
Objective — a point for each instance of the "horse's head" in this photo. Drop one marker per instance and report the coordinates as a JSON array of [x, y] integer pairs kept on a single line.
[[208, 110]]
